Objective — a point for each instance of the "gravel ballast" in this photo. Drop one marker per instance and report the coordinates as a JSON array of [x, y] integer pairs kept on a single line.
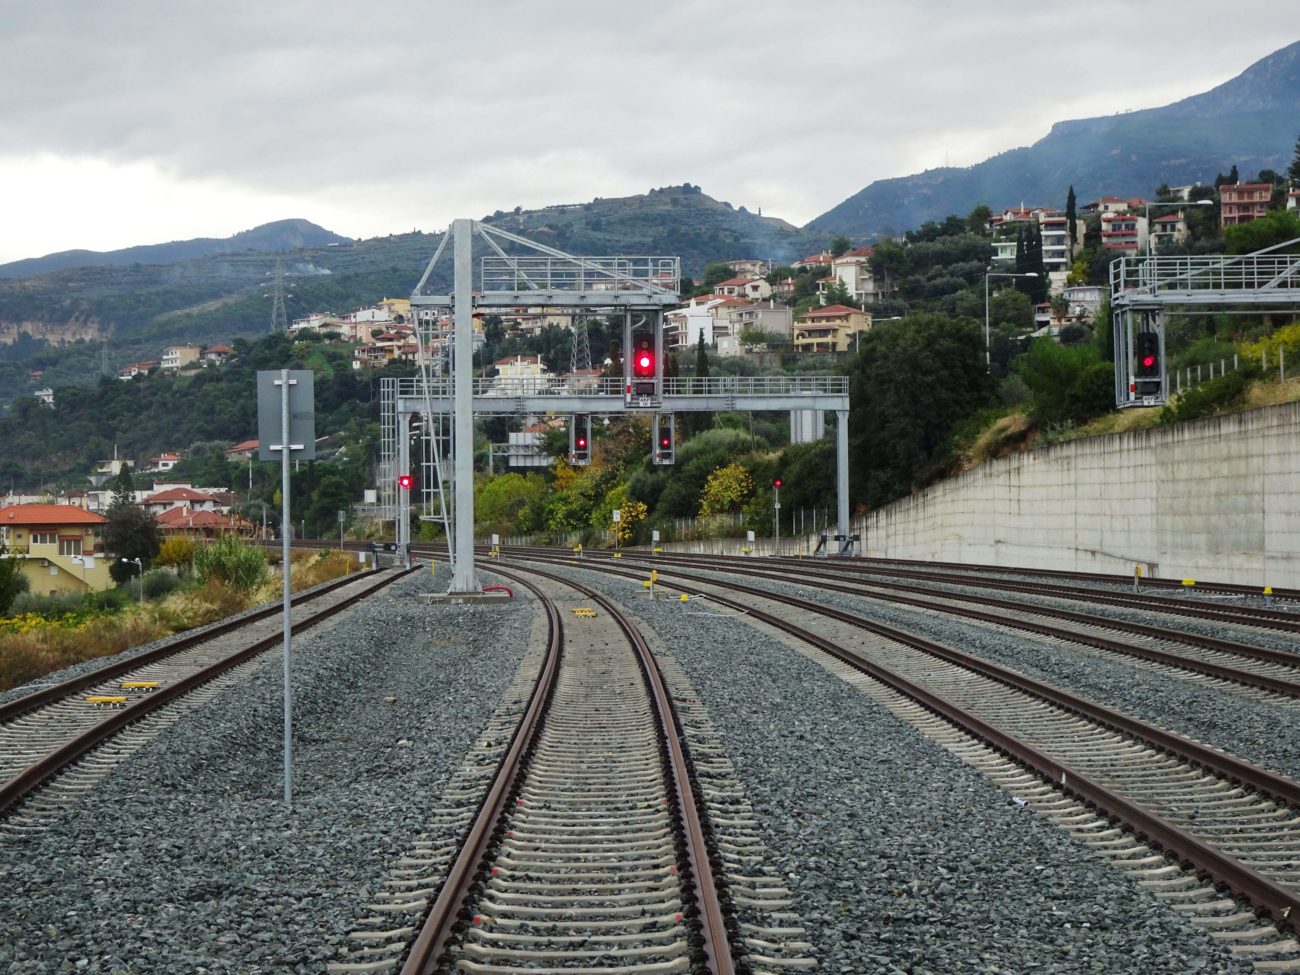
[[900, 857], [185, 860]]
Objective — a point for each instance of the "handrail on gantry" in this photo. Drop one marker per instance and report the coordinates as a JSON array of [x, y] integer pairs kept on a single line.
[[1262, 277]]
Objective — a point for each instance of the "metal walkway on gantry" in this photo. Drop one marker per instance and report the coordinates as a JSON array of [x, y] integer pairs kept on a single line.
[[522, 274], [1142, 289]]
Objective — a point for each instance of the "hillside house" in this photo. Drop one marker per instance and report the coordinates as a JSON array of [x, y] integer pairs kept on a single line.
[[853, 270], [1293, 200], [186, 522], [519, 374], [750, 267], [822, 260], [244, 450], [45, 397], [1168, 230], [831, 329], [1123, 233], [216, 355], [769, 317], [752, 289], [1243, 202], [177, 357], [60, 545], [162, 463], [163, 501], [137, 369]]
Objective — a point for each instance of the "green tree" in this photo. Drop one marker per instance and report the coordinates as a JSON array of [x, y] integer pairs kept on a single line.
[[915, 379], [123, 488], [1071, 214], [1069, 384], [978, 220], [1293, 171], [12, 580], [840, 245], [715, 274], [131, 533], [1275, 227]]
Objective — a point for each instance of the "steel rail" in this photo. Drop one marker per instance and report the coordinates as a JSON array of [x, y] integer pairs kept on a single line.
[[1279, 901], [21, 705], [1222, 672], [1111, 578], [426, 950], [713, 930], [25, 782], [1240, 615]]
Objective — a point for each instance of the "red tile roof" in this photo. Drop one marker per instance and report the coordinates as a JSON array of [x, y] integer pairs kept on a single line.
[[187, 518], [244, 445], [176, 494], [48, 514]]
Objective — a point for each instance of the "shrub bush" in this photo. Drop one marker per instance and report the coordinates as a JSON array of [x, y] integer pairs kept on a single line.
[[159, 582], [177, 553], [48, 606], [229, 560]]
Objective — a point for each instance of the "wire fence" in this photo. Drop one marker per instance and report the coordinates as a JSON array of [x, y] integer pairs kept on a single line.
[[1191, 376]]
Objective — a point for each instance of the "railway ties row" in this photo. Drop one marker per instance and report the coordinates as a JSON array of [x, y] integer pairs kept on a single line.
[[1218, 816]]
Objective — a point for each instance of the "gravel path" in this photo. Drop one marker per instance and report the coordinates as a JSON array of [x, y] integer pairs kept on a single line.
[[186, 861], [901, 858]]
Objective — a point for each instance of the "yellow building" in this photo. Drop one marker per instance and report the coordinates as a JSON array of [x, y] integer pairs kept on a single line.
[[830, 329], [61, 546]]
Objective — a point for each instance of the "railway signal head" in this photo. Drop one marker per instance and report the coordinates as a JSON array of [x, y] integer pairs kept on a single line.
[[1146, 347], [404, 481], [643, 361], [776, 483], [580, 439]]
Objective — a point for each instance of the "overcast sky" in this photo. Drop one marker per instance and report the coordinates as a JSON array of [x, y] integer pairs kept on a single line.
[[139, 121]]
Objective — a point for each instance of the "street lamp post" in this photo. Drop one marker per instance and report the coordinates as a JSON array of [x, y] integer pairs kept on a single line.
[[988, 358], [1146, 212], [139, 564]]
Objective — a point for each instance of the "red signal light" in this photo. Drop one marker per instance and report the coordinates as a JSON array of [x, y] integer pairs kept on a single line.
[[1148, 361], [776, 482], [643, 362], [581, 443], [404, 481]]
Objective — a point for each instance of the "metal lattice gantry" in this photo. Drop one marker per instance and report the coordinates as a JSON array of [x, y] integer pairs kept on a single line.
[[1142, 289], [519, 273]]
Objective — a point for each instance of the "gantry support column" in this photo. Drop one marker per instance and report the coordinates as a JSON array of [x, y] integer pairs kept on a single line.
[[463, 579], [842, 471]]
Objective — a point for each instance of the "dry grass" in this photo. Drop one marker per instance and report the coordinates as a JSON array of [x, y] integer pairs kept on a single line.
[[26, 656], [1007, 435], [1272, 394], [40, 650]]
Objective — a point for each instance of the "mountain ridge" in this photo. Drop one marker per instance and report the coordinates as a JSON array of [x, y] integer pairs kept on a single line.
[[279, 235], [1249, 121]]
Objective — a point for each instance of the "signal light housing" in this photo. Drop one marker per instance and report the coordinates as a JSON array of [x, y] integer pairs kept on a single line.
[[1148, 370], [644, 366], [580, 439], [664, 443]]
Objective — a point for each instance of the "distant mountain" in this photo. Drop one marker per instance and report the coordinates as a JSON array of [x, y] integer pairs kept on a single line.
[[68, 322], [283, 235], [1250, 121]]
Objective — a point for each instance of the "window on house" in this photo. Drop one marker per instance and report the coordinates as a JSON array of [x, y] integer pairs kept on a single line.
[[69, 546], [44, 538]]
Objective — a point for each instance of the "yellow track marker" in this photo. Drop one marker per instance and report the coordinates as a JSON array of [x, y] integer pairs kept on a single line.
[[103, 700], [138, 685], [586, 612]]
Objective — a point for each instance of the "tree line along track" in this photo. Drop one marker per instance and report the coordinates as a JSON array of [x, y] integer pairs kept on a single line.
[[1272, 673], [1231, 820], [44, 733], [590, 846]]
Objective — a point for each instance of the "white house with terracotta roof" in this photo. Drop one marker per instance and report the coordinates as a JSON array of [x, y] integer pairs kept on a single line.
[[753, 289], [187, 521], [137, 369], [178, 497], [830, 329], [61, 547], [163, 463], [814, 260], [215, 355]]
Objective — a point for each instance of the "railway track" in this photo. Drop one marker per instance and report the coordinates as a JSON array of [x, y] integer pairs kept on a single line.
[[593, 850], [1257, 671], [58, 742], [1230, 821]]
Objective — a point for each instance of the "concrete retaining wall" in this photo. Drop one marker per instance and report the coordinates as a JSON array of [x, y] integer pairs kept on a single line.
[[1217, 499]]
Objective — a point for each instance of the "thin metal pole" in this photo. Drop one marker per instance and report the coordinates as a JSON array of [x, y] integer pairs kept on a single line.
[[286, 526], [464, 579]]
